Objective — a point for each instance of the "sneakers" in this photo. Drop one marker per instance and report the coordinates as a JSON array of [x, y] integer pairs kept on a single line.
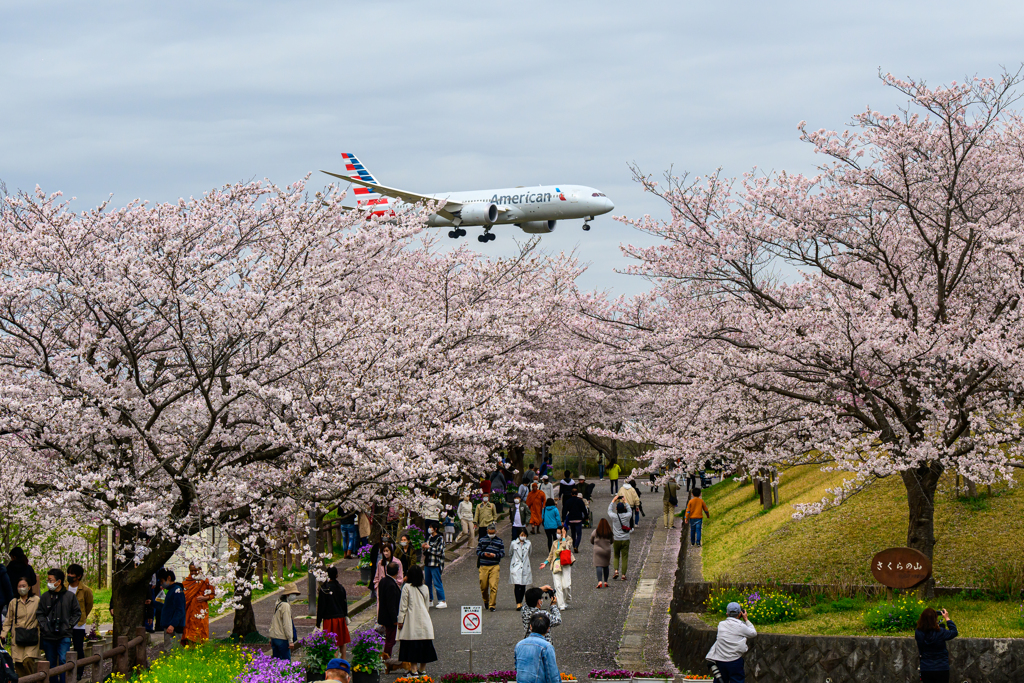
[[441, 605]]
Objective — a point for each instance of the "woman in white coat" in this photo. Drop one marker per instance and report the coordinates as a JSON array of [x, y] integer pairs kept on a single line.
[[561, 574], [415, 629], [465, 514], [520, 573]]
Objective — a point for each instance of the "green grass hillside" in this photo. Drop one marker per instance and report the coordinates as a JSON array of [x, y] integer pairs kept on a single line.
[[979, 541]]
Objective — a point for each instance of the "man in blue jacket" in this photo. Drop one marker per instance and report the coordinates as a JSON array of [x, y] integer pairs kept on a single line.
[[535, 656], [172, 617], [489, 551]]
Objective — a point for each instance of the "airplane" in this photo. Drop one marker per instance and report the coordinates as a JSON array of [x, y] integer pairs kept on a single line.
[[534, 210]]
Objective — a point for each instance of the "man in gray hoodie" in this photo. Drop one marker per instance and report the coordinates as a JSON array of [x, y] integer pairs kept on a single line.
[[621, 517]]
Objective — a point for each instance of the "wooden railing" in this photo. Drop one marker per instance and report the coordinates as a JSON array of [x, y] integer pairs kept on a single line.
[[75, 667]]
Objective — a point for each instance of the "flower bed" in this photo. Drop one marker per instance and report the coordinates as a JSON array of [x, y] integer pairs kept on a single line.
[[763, 607], [501, 676], [366, 647], [899, 615], [364, 556], [318, 648], [206, 663], [625, 675], [414, 679], [263, 668], [463, 678]]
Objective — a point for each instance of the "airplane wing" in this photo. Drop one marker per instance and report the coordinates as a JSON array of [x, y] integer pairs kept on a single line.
[[408, 197]]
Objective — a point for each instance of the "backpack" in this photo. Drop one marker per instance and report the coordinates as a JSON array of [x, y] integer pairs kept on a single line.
[[7, 672]]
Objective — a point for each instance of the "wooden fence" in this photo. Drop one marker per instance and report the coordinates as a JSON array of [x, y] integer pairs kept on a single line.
[[75, 668]]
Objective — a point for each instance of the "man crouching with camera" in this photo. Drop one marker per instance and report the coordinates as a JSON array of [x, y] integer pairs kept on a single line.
[[532, 605]]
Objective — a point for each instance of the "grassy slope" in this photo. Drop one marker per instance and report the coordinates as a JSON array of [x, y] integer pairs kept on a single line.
[[745, 544]]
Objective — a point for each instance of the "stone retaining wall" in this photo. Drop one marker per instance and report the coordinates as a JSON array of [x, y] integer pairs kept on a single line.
[[778, 658]]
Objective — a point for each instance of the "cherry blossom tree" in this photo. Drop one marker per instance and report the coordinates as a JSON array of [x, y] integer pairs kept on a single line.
[[867, 318]]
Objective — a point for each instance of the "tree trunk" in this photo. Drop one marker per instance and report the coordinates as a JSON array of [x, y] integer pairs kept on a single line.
[[130, 589], [972, 488], [245, 619], [516, 455], [921, 484]]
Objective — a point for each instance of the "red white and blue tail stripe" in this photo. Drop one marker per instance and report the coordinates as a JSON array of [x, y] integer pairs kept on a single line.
[[366, 197]]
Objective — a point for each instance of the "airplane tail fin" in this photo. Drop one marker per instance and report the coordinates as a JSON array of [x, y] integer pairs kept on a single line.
[[367, 198]]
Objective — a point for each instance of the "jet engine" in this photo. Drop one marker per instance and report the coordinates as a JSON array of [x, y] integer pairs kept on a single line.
[[479, 214], [538, 227]]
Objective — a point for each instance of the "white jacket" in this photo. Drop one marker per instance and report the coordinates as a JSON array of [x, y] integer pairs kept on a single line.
[[732, 640], [414, 614], [520, 573], [281, 625], [465, 510]]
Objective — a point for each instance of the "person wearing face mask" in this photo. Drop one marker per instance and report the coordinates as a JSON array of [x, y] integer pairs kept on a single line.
[[489, 552], [387, 556], [561, 559], [433, 565], [57, 614], [519, 515], [486, 514], [20, 633], [172, 616], [520, 573], [406, 553], [84, 596], [282, 628], [19, 568]]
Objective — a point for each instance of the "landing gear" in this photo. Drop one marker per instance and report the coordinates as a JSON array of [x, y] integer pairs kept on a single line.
[[586, 222], [456, 233], [488, 236], [586, 226]]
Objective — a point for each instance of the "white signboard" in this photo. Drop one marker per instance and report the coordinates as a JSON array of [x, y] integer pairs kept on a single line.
[[472, 624]]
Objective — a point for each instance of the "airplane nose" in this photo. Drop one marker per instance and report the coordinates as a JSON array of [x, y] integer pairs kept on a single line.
[[608, 205]]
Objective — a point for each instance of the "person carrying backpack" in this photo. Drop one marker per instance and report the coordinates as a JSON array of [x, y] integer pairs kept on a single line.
[[58, 614], [621, 517]]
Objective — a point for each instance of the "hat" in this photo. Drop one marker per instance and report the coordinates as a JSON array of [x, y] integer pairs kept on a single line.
[[543, 476], [339, 664], [291, 591], [733, 609]]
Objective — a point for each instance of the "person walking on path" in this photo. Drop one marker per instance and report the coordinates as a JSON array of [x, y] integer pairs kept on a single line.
[[172, 616], [498, 484], [489, 552], [19, 568], [84, 596], [670, 499], [631, 495], [613, 476], [21, 629], [486, 514], [727, 652], [529, 475], [696, 508], [535, 655], [389, 596], [536, 501], [546, 487], [405, 552], [560, 559], [198, 593], [534, 598], [332, 609], [931, 640], [6, 589], [552, 521], [349, 533], [574, 511], [433, 565], [465, 513], [565, 487], [520, 573], [387, 556], [621, 519], [57, 615], [601, 538], [415, 629], [600, 466], [282, 628], [518, 516]]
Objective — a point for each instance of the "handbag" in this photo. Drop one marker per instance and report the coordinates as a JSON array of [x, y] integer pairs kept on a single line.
[[565, 557], [24, 637], [672, 500]]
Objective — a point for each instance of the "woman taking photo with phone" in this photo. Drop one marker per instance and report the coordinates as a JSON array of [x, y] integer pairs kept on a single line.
[[931, 645]]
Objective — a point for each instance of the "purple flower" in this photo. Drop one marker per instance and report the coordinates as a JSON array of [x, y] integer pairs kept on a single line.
[[266, 669]]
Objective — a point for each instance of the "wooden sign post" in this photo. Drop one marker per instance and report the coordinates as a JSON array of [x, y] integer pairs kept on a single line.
[[901, 567]]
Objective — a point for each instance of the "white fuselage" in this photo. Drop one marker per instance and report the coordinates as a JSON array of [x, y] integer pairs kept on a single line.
[[526, 204]]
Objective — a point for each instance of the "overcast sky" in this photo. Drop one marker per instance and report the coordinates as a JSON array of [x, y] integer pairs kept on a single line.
[[165, 100]]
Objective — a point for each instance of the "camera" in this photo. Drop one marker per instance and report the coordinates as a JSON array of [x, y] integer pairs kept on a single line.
[[549, 593]]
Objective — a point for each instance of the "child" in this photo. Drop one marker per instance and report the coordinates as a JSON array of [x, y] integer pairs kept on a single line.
[[449, 526]]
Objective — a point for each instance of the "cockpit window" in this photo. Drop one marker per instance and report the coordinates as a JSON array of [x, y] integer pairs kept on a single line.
[[597, 194]]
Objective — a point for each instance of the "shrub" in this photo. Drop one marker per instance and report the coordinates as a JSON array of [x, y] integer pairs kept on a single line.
[[205, 663], [610, 674], [318, 649], [840, 605], [501, 676], [770, 608], [899, 615], [719, 598], [364, 555], [263, 668]]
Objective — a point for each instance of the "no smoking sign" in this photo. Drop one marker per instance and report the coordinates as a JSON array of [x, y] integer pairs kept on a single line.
[[472, 623]]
